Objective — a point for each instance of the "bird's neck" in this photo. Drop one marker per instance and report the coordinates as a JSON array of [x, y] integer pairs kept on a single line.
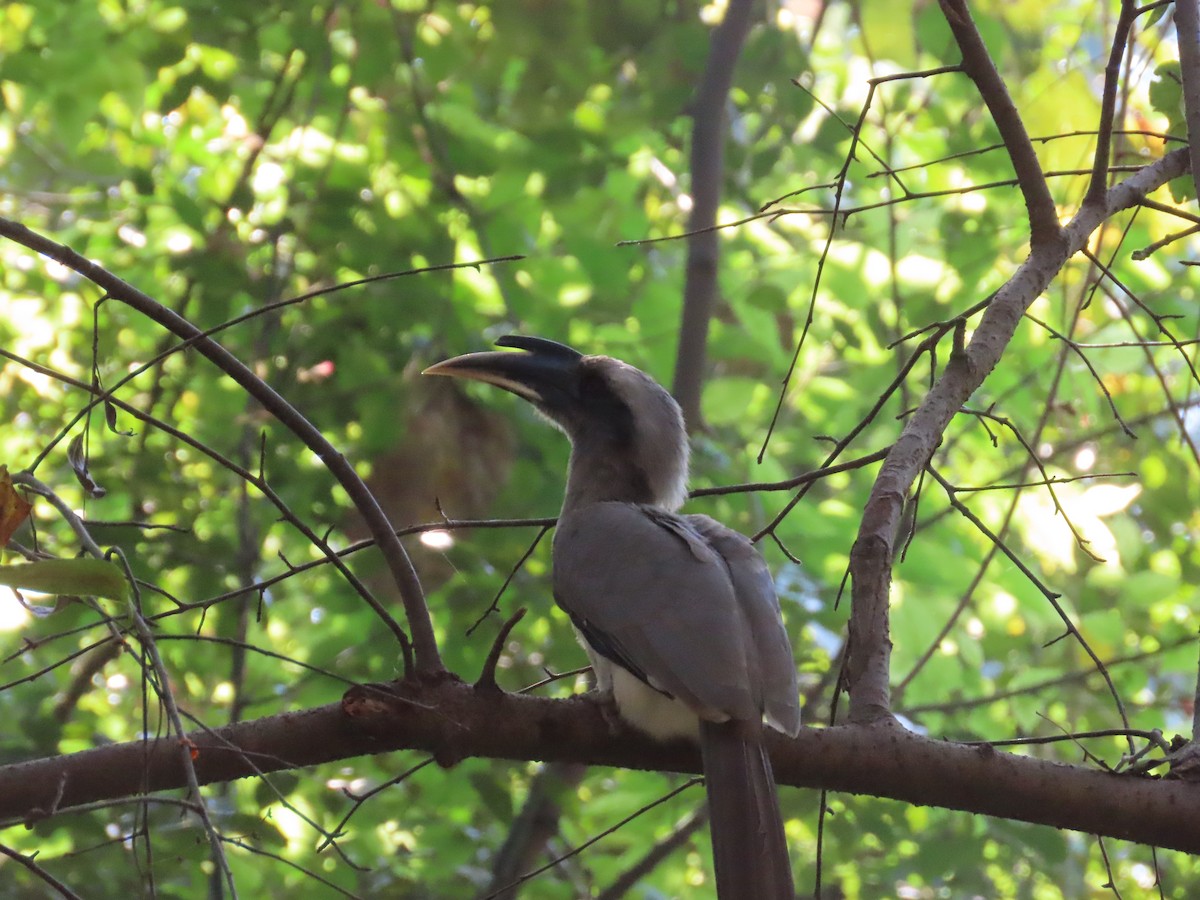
[[602, 480], [598, 476]]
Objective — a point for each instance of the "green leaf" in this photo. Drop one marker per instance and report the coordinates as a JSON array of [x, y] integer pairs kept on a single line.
[[1166, 92], [78, 577]]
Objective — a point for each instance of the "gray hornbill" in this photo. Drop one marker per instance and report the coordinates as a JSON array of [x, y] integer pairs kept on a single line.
[[677, 613]]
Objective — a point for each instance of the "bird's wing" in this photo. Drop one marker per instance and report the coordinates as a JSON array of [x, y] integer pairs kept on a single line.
[[773, 667], [651, 593]]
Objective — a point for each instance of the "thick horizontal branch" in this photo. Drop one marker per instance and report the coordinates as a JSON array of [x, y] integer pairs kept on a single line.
[[452, 721]]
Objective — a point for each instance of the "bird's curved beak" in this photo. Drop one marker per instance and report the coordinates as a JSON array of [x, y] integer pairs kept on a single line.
[[537, 377]]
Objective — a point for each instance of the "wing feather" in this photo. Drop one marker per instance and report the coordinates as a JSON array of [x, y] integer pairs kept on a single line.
[[664, 597]]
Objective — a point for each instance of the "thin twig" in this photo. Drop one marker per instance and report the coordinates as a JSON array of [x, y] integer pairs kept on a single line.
[[359, 799], [424, 642], [495, 604], [103, 396], [1092, 369], [839, 190], [1047, 481], [691, 782], [953, 706], [660, 850], [1051, 596], [28, 863], [166, 696], [926, 345]]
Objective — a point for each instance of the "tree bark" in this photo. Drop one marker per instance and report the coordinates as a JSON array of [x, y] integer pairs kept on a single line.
[[452, 721]]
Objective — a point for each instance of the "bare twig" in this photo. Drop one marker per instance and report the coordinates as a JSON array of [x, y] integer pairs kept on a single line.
[[28, 863], [1159, 320], [1051, 596], [538, 821], [789, 483], [926, 345], [280, 858], [1077, 349], [187, 750], [1037, 139], [104, 396], [951, 706], [662, 848], [691, 782], [495, 604], [1150, 249], [839, 190], [1047, 481], [360, 799]]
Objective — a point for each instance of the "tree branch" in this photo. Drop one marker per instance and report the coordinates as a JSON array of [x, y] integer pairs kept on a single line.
[[1187, 29], [452, 721], [534, 826], [424, 643], [871, 556], [680, 835], [977, 63], [1108, 103], [708, 173]]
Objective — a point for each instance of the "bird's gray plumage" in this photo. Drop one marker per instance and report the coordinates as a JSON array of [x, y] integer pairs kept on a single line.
[[678, 613], [685, 626]]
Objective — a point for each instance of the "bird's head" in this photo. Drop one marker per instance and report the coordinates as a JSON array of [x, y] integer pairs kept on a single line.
[[626, 431]]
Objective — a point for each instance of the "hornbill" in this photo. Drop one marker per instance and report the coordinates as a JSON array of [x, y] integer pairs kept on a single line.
[[677, 613]]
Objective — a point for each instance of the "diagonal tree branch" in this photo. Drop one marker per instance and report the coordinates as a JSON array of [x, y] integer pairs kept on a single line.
[[424, 643], [1108, 103], [977, 63], [871, 556], [534, 826]]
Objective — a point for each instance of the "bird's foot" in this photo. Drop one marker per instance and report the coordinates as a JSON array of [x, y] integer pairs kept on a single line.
[[607, 705]]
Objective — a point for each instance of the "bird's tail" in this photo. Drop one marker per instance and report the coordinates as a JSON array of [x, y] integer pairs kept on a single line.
[[750, 852]]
